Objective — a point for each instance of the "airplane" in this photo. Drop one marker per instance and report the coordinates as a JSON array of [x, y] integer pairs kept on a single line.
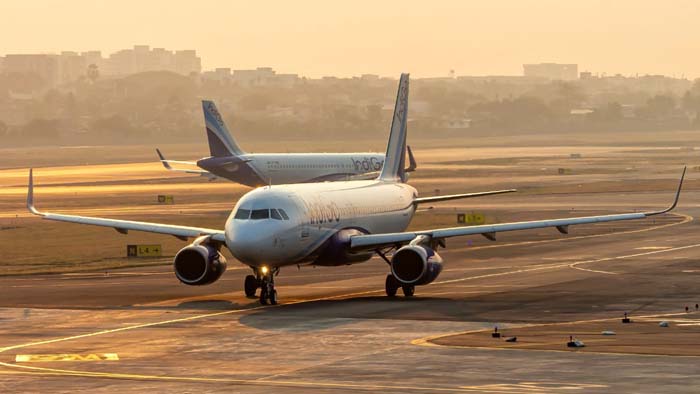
[[330, 224], [230, 162]]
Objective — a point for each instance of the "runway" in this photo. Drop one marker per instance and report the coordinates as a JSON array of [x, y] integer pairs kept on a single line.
[[335, 331], [93, 327]]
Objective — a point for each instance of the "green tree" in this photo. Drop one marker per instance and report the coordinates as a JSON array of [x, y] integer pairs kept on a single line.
[[41, 130], [658, 107]]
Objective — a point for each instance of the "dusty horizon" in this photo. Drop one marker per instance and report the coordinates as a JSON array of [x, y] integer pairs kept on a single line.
[[315, 38]]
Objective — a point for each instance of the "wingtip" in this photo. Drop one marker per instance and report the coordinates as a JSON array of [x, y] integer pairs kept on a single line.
[[163, 161], [30, 194], [675, 200]]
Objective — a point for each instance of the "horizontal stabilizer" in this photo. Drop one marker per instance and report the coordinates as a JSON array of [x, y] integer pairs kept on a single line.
[[166, 164]]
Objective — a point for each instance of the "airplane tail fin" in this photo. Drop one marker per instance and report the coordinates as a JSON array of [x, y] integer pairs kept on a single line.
[[395, 160], [221, 143]]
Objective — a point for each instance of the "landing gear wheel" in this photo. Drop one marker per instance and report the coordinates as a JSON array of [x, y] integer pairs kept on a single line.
[[250, 286], [391, 285], [273, 297], [263, 296], [268, 294], [408, 290]]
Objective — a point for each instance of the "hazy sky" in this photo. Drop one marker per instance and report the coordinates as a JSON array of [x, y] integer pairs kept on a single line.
[[327, 37]]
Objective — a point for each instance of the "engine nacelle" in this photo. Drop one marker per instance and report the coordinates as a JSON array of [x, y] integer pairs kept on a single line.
[[336, 251], [416, 265], [199, 264]]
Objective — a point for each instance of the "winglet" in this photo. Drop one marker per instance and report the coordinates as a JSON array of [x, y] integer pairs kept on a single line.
[[30, 195], [411, 160], [675, 201], [163, 161]]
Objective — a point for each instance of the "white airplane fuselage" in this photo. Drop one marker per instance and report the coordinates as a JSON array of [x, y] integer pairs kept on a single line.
[[258, 169], [315, 213]]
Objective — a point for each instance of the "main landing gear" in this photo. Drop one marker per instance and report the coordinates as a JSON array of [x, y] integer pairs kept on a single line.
[[264, 279], [392, 285]]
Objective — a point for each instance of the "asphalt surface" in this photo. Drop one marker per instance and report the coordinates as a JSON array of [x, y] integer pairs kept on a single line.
[[139, 330]]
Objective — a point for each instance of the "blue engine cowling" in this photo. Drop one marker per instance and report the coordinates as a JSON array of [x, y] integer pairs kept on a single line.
[[199, 264], [336, 250], [416, 265]]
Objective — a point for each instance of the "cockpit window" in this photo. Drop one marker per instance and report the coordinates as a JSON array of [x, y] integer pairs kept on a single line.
[[258, 214], [242, 214], [283, 213], [275, 215]]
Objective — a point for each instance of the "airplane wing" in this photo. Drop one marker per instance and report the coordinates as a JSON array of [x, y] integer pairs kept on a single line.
[[166, 164], [377, 241], [123, 226], [423, 200]]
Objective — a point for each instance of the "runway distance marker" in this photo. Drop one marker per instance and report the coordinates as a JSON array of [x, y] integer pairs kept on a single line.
[[29, 358]]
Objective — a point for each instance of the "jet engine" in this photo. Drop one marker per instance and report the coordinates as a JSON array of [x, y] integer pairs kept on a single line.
[[416, 265], [199, 264], [336, 250]]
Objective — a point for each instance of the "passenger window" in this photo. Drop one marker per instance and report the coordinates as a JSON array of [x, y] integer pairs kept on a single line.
[[242, 214], [284, 214], [275, 215], [258, 214]]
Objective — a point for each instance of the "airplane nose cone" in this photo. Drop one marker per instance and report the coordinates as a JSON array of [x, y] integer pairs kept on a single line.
[[251, 242]]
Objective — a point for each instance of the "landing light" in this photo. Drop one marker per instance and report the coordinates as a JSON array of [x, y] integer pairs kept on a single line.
[[264, 270]]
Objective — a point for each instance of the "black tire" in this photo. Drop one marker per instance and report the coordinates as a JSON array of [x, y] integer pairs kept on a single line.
[[391, 285], [263, 296], [250, 286], [408, 290], [273, 297]]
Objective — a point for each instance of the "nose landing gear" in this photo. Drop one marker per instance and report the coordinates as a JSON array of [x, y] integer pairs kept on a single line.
[[264, 279], [268, 294]]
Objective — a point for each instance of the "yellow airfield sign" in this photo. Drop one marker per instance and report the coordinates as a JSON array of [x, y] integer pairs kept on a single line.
[[471, 219], [166, 199], [143, 251]]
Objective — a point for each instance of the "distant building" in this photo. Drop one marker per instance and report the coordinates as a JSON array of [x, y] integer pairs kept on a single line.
[[220, 74], [71, 67], [286, 80], [553, 71], [141, 58], [259, 76], [263, 76], [44, 67], [187, 62]]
